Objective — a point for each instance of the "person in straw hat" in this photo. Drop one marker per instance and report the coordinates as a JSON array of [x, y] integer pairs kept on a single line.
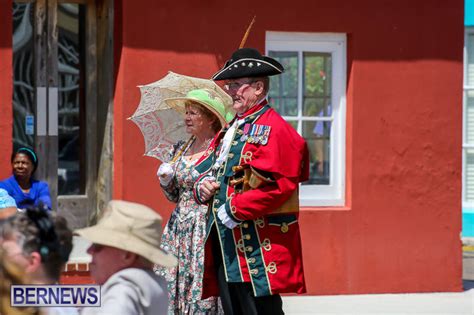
[[125, 246], [206, 112], [252, 193]]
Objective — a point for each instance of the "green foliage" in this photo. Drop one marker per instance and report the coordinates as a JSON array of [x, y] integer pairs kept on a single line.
[[316, 83]]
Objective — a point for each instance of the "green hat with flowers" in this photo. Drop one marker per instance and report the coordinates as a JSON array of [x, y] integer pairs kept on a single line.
[[219, 105]]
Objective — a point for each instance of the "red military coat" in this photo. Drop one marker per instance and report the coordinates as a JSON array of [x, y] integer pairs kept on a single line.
[[265, 248]]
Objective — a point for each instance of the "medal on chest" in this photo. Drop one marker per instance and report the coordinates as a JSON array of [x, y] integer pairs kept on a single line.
[[256, 134]]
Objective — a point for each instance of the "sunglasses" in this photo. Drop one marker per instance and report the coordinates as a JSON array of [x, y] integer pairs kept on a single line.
[[237, 85], [96, 247]]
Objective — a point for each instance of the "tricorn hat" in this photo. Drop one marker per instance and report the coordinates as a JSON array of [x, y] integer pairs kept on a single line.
[[248, 62]]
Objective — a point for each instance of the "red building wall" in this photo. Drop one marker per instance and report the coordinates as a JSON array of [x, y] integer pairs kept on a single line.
[[6, 88], [399, 231]]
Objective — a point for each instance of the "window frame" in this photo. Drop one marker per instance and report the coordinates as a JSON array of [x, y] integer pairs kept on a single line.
[[336, 44], [469, 30]]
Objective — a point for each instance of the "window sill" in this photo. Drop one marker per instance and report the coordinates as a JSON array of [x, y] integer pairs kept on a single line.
[[324, 208]]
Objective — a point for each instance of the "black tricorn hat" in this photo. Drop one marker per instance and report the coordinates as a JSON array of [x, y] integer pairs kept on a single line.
[[248, 62]]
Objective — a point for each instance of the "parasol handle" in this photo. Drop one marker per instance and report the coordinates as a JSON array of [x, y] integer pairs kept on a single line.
[[183, 148], [244, 39]]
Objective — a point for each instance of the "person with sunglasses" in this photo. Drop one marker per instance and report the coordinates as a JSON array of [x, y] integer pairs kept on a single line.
[[252, 194], [125, 247], [22, 186]]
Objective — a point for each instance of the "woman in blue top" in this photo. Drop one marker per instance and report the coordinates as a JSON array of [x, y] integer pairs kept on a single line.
[[21, 185]]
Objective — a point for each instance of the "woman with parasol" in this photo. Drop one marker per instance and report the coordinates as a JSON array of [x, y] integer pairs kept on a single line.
[[205, 113]]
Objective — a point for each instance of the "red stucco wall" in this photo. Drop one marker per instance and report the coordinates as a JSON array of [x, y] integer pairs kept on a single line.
[[399, 231], [6, 88]]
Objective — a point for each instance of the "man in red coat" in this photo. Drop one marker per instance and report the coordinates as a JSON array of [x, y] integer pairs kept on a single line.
[[257, 162]]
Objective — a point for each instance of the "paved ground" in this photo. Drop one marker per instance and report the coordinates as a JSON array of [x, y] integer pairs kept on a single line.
[[380, 304], [468, 265], [374, 304]]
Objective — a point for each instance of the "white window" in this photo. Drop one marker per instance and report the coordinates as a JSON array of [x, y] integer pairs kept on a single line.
[[311, 95], [468, 107]]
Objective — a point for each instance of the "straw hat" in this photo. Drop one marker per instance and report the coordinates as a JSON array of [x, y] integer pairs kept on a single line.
[[132, 227], [207, 98]]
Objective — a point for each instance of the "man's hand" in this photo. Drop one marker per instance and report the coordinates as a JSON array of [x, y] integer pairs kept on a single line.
[[208, 188]]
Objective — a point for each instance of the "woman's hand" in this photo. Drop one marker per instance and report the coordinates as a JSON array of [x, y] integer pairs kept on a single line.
[[165, 173]]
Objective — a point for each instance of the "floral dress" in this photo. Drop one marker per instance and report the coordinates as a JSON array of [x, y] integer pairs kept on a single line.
[[184, 236]]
